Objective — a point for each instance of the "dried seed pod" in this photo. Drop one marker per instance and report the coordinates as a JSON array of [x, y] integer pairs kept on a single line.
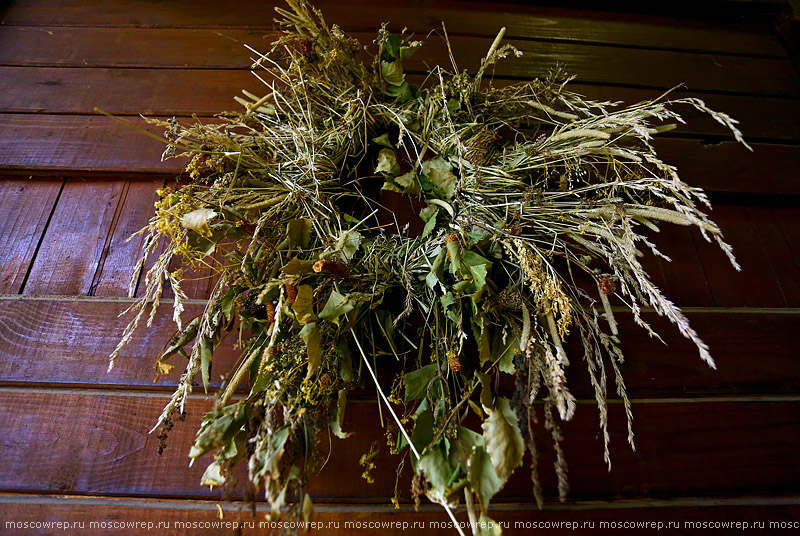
[[291, 293], [334, 267], [510, 298], [305, 46], [325, 381], [454, 362], [270, 311], [607, 285]]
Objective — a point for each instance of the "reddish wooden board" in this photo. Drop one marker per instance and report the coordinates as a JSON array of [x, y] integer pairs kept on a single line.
[[26, 209], [80, 145], [205, 92], [97, 443], [123, 517], [87, 242], [71, 428], [224, 48], [67, 343], [527, 22]]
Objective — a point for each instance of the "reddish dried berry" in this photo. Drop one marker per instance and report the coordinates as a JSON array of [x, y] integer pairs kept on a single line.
[[336, 268], [607, 285]]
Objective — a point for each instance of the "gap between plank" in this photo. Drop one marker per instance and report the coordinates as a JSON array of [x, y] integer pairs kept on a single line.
[[41, 237]]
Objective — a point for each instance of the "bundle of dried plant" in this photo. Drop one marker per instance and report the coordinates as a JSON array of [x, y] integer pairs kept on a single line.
[[524, 191]]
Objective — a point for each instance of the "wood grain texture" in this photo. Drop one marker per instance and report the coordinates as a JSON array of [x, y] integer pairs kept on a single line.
[[529, 22], [118, 515], [87, 245], [75, 145], [224, 48], [67, 342], [80, 145], [71, 429], [61, 441], [206, 92], [120, 255], [26, 205], [75, 241]]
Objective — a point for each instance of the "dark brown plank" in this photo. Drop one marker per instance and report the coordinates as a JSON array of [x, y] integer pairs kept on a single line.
[[729, 167], [770, 275], [67, 342], [100, 145], [383, 520], [475, 18], [75, 241], [98, 444], [205, 92], [27, 205], [215, 49]]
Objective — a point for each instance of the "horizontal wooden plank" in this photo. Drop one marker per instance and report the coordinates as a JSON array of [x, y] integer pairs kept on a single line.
[[61, 342], [85, 251], [117, 516], [27, 205], [78, 145], [475, 18], [224, 48], [206, 92], [72, 442]]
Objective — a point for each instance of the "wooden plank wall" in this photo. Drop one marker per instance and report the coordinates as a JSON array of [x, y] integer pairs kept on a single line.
[[712, 445]]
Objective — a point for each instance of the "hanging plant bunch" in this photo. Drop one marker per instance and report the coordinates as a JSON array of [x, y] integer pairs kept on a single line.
[[526, 193]]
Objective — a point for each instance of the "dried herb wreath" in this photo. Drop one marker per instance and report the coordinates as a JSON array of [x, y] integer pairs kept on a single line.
[[525, 191]]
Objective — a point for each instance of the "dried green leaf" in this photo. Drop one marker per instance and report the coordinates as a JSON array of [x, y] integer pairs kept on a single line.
[[433, 464], [303, 305], [387, 162], [298, 231], [338, 421], [502, 439], [416, 382], [206, 354], [298, 267], [482, 477], [308, 508], [348, 243], [313, 339], [440, 173], [336, 306]]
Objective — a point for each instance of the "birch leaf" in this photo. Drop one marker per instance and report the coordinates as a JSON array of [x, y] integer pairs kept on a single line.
[[482, 477], [502, 439], [348, 243], [387, 162], [440, 173], [337, 306], [311, 336], [303, 306], [338, 420], [416, 382]]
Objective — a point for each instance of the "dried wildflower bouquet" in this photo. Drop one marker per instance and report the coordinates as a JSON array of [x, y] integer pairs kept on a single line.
[[527, 193]]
